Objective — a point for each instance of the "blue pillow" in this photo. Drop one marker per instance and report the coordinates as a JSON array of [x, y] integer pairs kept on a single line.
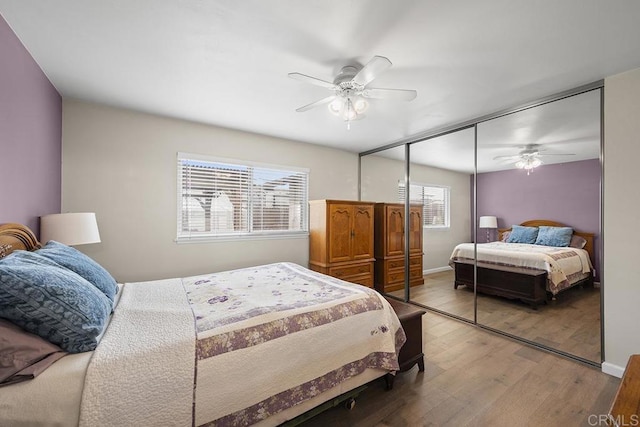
[[52, 302], [520, 234], [554, 236], [81, 264]]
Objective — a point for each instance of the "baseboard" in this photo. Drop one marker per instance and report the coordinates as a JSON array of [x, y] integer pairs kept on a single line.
[[436, 270], [611, 369]]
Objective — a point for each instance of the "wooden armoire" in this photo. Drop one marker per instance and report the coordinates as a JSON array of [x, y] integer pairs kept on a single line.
[[341, 239], [389, 246]]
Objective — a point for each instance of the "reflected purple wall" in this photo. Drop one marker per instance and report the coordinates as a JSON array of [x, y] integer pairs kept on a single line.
[[30, 136], [568, 193]]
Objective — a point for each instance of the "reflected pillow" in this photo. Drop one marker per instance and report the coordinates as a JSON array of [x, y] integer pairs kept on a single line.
[[554, 236], [82, 265], [521, 234], [52, 302], [578, 242]]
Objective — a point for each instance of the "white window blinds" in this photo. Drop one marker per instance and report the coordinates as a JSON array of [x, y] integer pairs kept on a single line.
[[222, 197], [434, 200]]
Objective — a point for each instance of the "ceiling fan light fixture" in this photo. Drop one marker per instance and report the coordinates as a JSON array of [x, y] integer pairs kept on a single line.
[[349, 112], [350, 91], [348, 108], [335, 106], [528, 163], [360, 105]]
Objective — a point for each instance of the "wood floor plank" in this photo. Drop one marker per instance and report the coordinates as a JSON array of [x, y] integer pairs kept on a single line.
[[571, 323], [477, 378]]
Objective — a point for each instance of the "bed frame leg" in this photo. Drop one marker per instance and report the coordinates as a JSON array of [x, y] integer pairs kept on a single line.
[[388, 381]]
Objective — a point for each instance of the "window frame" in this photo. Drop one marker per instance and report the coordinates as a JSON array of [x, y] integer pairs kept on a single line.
[[447, 203], [250, 234]]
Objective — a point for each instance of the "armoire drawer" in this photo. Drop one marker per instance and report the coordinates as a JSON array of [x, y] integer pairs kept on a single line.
[[351, 270]]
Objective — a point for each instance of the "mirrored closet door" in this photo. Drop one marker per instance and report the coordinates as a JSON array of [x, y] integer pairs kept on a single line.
[[380, 177], [540, 167], [476, 192], [441, 179]]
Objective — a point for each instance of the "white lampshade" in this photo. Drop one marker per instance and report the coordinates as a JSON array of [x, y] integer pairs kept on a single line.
[[488, 222], [70, 228]]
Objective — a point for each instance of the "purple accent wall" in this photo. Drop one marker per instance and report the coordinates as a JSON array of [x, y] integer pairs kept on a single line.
[[30, 136], [568, 193]]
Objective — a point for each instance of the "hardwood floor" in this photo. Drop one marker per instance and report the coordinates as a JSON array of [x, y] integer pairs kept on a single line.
[[570, 324], [476, 378]]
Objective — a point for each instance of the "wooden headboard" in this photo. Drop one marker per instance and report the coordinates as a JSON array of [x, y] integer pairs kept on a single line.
[[589, 246], [16, 237]]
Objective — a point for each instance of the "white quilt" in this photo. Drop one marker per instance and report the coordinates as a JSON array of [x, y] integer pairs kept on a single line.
[[142, 371], [253, 341]]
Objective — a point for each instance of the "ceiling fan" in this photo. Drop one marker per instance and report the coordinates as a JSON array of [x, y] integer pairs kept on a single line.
[[529, 158], [349, 89]]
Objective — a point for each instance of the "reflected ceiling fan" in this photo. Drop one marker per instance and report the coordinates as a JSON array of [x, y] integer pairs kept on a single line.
[[529, 158], [349, 90]]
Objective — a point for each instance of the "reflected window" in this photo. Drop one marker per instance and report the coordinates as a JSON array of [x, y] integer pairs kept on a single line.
[[434, 200]]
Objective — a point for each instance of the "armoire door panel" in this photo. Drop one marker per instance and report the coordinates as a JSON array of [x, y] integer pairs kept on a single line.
[[415, 230], [340, 233], [362, 232], [395, 231]]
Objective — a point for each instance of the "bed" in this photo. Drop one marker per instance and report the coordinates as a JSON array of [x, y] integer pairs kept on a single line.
[[532, 273], [258, 345]]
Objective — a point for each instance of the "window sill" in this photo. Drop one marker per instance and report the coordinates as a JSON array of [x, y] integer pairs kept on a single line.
[[241, 237], [437, 228]]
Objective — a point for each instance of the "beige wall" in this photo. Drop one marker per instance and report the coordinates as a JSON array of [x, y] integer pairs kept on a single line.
[[380, 178], [621, 212], [122, 165]]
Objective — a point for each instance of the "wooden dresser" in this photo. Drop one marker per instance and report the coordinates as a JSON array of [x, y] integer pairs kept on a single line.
[[389, 246], [341, 239]]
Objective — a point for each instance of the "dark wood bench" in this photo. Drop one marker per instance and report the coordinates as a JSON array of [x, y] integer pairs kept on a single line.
[[527, 285], [411, 320]]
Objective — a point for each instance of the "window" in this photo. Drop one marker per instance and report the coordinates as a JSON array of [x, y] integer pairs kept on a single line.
[[226, 198], [434, 200]]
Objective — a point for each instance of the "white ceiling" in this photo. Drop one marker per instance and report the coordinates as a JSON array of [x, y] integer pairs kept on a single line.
[[564, 131], [225, 62]]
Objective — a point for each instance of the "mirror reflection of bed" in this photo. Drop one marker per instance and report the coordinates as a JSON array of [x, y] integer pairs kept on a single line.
[[570, 323], [564, 315]]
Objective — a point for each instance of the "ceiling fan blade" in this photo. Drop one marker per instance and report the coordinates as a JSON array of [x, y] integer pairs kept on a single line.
[[506, 157], [399, 94], [556, 154], [326, 100], [377, 65], [312, 80]]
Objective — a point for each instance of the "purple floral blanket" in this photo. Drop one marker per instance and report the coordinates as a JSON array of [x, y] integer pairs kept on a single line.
[[272, 336]]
